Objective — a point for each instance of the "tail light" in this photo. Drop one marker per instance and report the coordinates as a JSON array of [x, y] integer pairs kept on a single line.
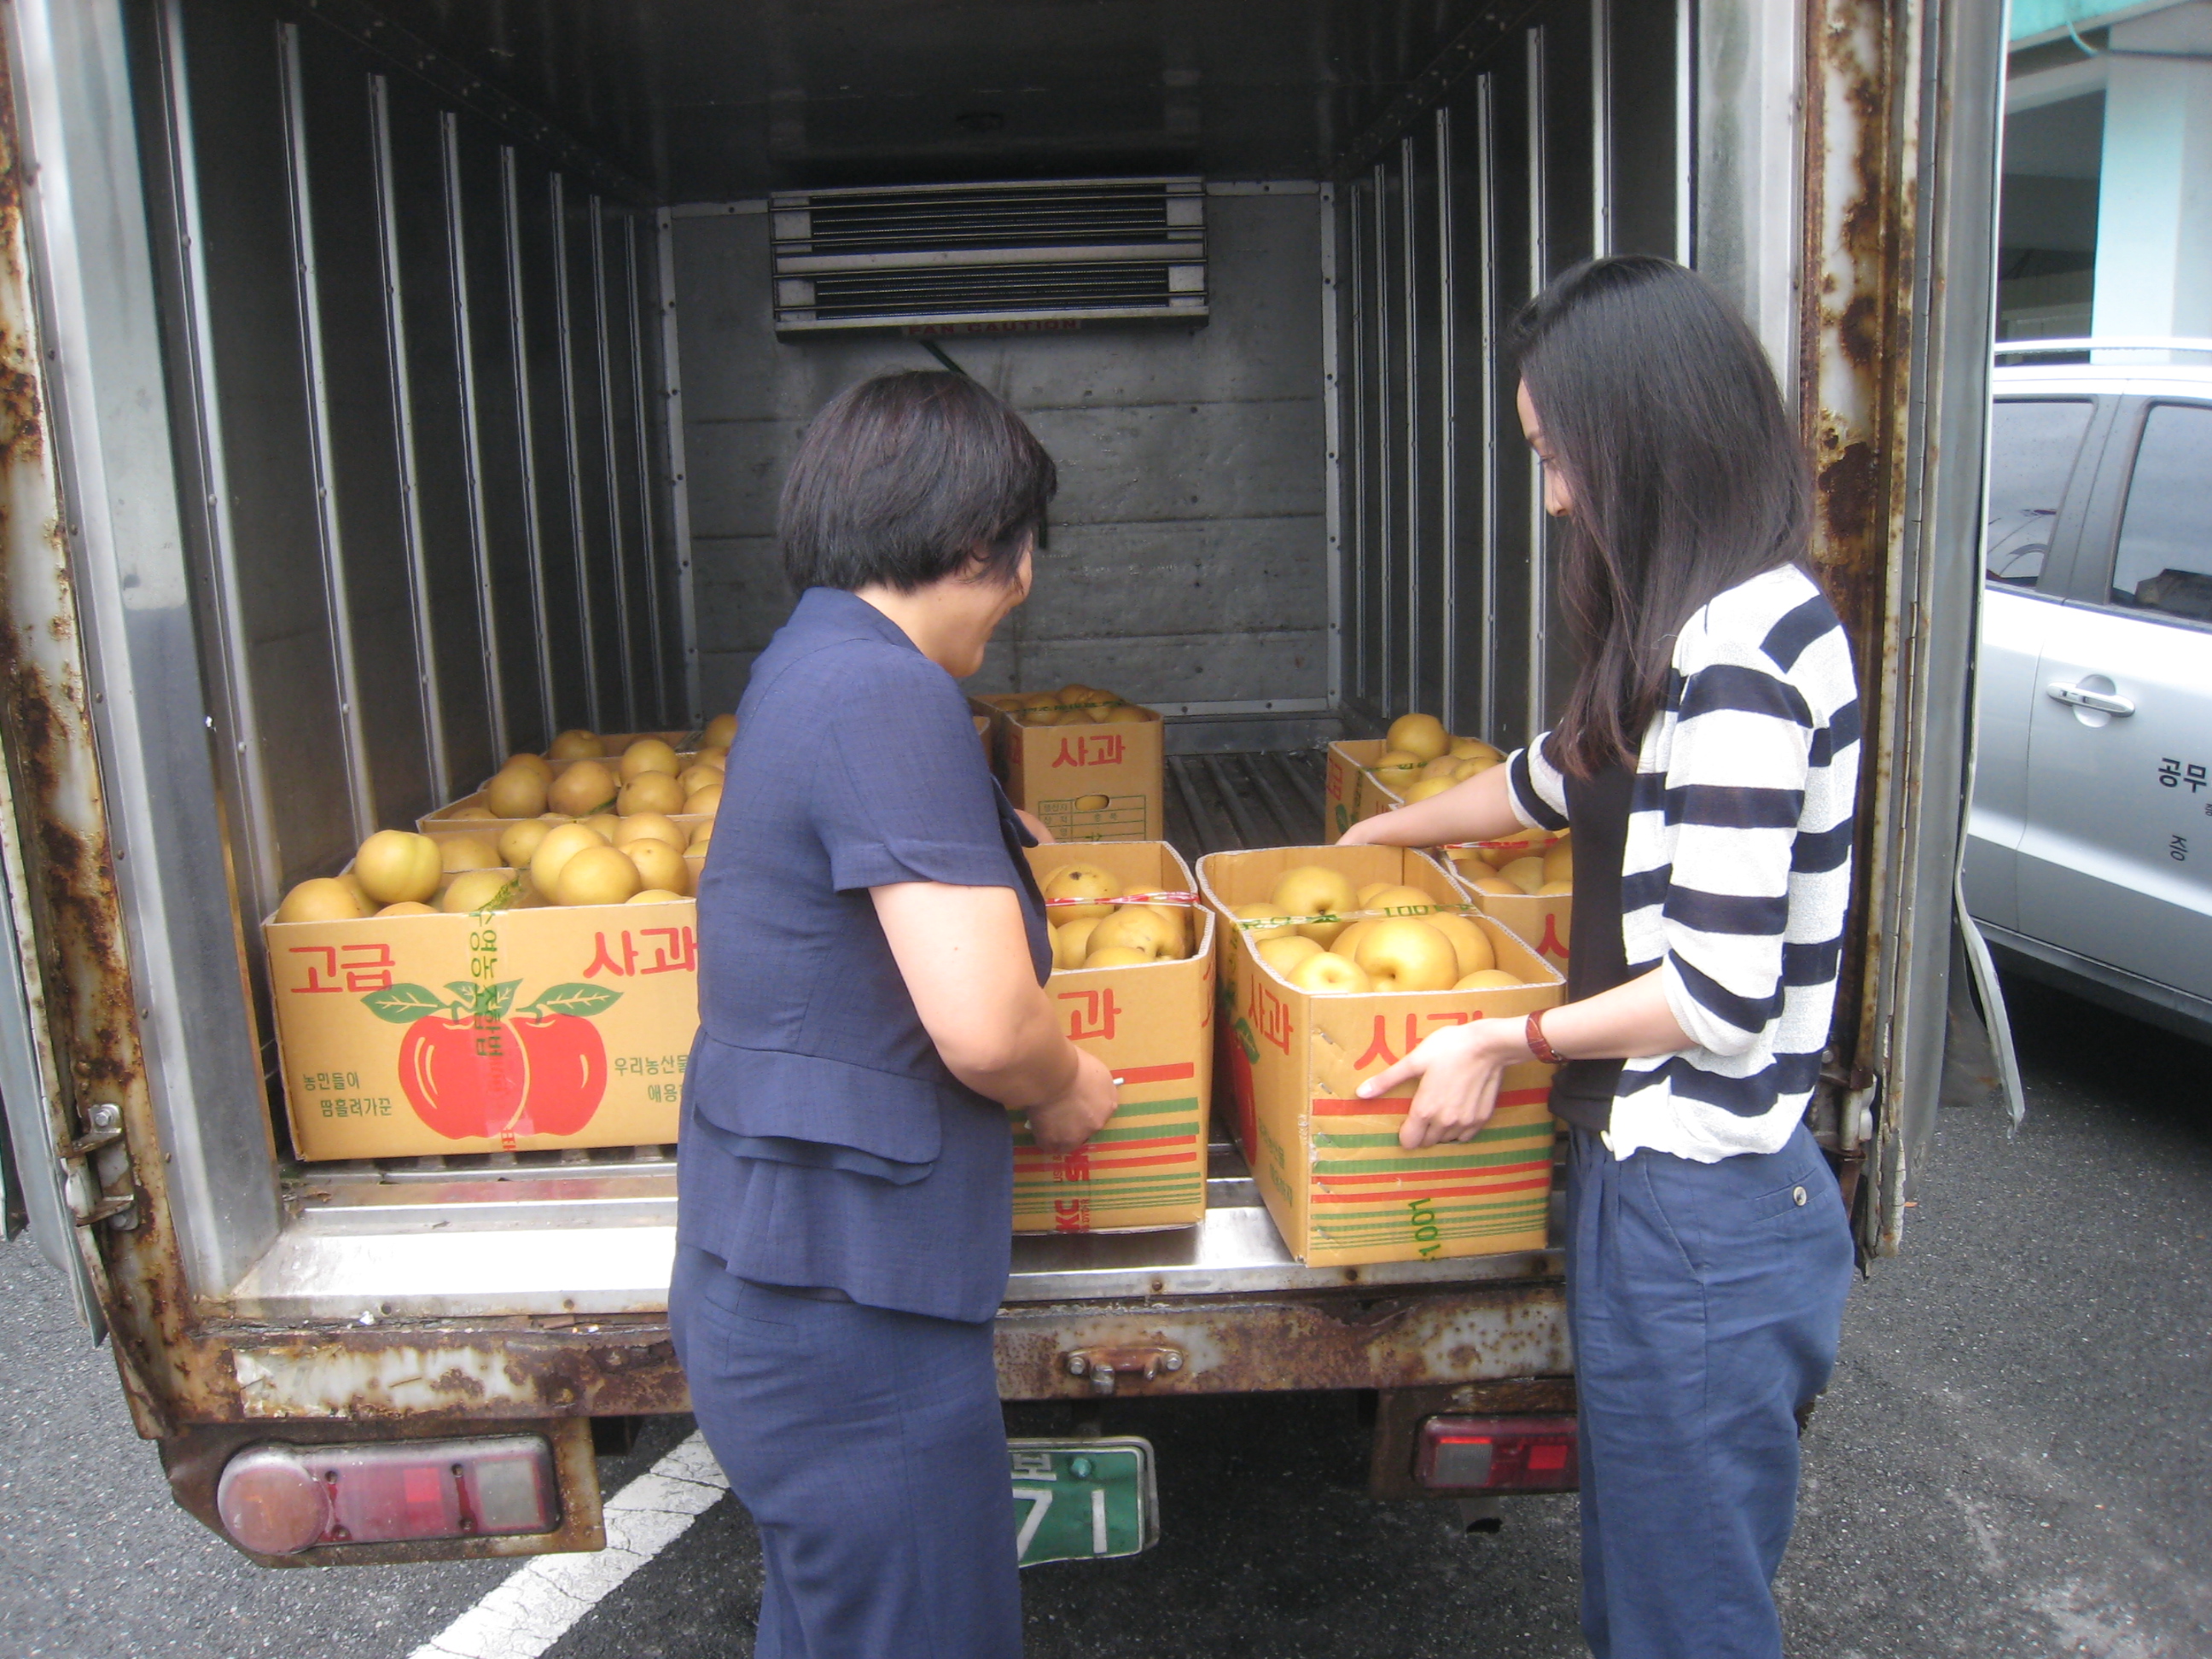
[[280, 1499], [1496, 1454]]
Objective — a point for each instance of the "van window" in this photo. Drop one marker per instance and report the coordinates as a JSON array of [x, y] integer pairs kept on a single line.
[[2034, 443], [2165, 559]]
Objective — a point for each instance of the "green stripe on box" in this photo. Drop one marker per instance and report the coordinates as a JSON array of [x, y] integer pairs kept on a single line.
[[1399, 1217], [1117, 1201], [1488, 1136], [1187, 1183], [1155, 1108], [1188, 1127], [1518, 1156], [1360, 1237], [1466, 1226]]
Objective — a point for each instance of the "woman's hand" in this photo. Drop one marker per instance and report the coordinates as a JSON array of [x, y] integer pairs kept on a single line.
[[1072, 1117], [1459, 1069]]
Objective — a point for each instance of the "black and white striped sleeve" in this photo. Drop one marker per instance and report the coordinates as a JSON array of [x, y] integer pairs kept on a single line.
[[1734, 790], [1533, 787]]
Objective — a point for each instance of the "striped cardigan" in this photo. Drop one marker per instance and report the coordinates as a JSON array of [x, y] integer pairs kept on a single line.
[[1737, 867]]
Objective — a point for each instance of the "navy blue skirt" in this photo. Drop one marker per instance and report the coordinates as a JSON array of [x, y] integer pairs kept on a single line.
[[869, 1447]]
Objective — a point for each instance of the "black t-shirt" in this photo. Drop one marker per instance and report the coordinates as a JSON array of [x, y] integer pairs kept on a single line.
[[1597, 812]]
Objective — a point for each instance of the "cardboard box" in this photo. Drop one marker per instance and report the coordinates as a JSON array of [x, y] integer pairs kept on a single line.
[[1152, 1024], [1329, 1165], [521, 1029], [1546, 921], [1092, 781], [1353, 793], [1347, 786]]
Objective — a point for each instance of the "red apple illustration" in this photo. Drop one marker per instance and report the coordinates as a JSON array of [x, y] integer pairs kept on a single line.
[[472, 1073], [567, 1073], [464, 1077]]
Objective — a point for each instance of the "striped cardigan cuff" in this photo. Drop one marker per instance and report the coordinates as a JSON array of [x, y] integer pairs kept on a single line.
[[1534, 789]]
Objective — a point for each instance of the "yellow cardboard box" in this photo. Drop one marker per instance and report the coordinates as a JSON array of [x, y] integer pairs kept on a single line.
[[519, 1030], [1088, 782], [1152, 1024], [1329, 1165], [1353, 792], [1347, 786], [1546, 920]]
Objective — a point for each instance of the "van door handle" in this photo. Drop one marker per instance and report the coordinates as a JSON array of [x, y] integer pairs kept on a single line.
[[2082, 697]]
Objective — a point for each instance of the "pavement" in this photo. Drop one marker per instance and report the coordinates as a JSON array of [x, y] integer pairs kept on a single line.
[[2012, 1460]]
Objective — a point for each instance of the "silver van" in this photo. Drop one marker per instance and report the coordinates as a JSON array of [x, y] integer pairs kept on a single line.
[[2089, 853]]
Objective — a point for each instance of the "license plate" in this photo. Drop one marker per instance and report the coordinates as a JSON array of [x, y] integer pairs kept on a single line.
[[1084, 1500]]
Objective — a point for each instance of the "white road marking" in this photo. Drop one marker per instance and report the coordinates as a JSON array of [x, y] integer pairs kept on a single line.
[[535, 1607]]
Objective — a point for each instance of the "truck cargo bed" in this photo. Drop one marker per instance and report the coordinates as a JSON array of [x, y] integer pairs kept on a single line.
[[593, 1232]]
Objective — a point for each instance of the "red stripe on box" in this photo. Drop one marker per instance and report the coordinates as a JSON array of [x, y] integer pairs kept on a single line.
[[1108, 1163], [1114, 1148], [1129, 1074], [1433, 1192], [1397, 1106]]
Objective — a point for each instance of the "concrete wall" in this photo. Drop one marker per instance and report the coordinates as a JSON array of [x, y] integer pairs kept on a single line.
[[1187, 557]]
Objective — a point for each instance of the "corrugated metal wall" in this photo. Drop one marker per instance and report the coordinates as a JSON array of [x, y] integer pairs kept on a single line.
[[1187, 556], [414, 365], [1446, 600]]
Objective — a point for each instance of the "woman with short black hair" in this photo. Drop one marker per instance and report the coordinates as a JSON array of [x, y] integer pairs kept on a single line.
[[873, 951], [1707, 762]]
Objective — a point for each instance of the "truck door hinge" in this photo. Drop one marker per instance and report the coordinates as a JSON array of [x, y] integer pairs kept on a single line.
[[94, 1159], [1106, 1366]]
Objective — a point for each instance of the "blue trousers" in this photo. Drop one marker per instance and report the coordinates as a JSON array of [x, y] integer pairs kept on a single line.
[[869, 1447], [1705, 1301]]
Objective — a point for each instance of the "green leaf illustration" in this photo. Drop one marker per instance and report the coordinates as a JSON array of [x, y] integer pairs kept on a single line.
[[582, 1001], [485, 1001], [403, 1005]]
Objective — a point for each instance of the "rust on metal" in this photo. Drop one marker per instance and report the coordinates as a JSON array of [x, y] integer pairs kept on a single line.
[[54, 838], [1331, 1340], [398, 1374], [1861, 128]]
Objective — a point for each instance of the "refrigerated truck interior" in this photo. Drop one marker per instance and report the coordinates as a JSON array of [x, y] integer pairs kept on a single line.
[[391, 383]]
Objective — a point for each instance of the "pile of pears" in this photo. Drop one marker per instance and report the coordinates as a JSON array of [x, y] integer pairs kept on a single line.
[[1103, 932], [615, 847], [1510, 871], [1072, 705], [648, 777], [1421, 758], [1419, 947], [1424, 759]]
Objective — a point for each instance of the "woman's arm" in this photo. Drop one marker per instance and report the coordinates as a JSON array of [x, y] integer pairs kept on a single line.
[[1480, 809], [1459, 1068], [964, 954]]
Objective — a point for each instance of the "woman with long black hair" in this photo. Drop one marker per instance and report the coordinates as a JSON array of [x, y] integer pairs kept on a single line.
[[1706, 761]]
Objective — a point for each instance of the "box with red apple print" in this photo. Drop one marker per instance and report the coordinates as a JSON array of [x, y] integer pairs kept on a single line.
[[518, 1030]]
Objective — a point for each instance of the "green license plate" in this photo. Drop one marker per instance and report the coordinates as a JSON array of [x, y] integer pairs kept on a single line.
[[1084, 1500]]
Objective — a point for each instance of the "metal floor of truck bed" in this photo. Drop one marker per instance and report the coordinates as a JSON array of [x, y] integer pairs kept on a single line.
[[593, 1233]]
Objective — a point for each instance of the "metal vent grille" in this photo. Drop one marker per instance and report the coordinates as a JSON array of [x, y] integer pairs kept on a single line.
[[990, 258]]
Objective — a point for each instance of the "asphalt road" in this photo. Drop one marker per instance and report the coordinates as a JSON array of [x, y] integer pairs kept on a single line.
[[2013, 1459]]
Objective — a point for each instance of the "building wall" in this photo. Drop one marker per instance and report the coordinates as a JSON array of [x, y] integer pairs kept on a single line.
[[1186, 551]]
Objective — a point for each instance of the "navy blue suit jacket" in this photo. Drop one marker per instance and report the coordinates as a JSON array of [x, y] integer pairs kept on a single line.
[[824, 1143]]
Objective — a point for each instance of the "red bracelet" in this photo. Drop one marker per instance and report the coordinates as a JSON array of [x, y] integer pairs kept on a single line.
[[1537, 1045]]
